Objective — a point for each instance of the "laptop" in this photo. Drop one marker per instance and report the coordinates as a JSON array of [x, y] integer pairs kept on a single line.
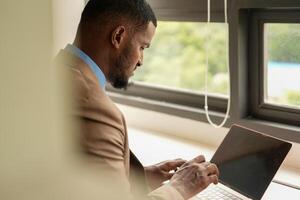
[[247, 161]]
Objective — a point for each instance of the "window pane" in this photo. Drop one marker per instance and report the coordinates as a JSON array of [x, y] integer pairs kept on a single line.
[[282, 64], [176, 57]]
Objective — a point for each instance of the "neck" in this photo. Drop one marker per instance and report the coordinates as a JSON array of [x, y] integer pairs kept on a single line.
[[96, 53]]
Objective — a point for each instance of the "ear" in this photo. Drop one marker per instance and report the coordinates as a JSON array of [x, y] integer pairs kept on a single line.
[[118, 36]]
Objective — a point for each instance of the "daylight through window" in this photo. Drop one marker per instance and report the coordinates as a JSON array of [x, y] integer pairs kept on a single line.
[[176, 58], [282, 64]]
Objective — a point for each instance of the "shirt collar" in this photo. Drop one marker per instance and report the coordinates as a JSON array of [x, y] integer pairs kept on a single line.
[[93, 66]]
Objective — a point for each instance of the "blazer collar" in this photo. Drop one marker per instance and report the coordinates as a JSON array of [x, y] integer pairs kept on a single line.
[[76, 63]]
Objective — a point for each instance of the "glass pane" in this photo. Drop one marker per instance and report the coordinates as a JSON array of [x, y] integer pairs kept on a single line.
[[282, 64], [176, 57]]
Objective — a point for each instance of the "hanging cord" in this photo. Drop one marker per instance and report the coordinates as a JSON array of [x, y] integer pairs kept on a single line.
[[206, 69]]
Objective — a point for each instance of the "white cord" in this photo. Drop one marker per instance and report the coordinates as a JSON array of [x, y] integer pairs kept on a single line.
[[206, 69]]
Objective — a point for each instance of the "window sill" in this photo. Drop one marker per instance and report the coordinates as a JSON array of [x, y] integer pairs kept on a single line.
[[286, 182], [279, 130]]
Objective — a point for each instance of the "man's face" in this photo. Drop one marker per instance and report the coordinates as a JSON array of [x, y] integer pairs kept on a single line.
[[131, 56]]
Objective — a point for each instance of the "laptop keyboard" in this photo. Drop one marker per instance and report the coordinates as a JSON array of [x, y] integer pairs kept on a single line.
[[216, 193]]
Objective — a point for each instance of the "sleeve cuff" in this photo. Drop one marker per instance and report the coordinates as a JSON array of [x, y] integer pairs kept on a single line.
[[165, 192]]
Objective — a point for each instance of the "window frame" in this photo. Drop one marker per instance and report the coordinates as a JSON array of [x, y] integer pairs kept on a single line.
[[179, 102], [259, 108], [242, 82], [171, 95]]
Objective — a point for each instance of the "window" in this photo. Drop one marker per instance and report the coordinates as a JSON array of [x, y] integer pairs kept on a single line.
[[174, 68], [276, 65], [282, 64], [177, 59], [263, 43]]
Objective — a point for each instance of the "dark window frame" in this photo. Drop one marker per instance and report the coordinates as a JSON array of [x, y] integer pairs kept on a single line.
[[171, 95], [259, 108], [176, 101], [241, 83]]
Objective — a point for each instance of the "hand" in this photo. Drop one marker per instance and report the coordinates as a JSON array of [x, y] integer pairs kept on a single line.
[[157, 174], [194, 176]]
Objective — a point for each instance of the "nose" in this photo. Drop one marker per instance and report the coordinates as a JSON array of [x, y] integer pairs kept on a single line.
[[140, 62]]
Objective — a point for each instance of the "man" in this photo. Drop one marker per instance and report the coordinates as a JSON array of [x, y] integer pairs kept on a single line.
[[108, 47]]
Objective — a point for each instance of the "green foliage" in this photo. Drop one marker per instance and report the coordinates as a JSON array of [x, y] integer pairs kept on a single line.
[[293, 97], [177, 56], [283, 42], [283, 45]]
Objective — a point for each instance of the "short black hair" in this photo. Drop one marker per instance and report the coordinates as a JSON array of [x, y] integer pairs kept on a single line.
[[105, 12]]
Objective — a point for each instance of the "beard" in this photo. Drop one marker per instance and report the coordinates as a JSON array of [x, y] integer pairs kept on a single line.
[[117, 75]]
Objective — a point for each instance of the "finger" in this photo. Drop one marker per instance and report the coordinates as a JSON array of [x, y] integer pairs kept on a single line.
[[212, 169], [173, 165], [205, 164], [183, 167], [180, 160], [198, 159], [213, 179]]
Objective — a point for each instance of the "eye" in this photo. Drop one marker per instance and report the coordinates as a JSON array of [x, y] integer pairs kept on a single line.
[[142, 48]]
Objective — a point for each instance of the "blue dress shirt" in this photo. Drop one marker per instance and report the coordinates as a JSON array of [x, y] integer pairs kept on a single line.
[[93, 66]]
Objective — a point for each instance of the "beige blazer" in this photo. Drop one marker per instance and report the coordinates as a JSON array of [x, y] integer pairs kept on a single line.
[[104, 136]]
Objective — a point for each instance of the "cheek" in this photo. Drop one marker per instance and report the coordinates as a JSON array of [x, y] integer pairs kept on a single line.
[[136, 55], [134, 58]]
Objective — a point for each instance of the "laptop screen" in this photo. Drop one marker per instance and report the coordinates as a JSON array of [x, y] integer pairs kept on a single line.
[[248, 160]]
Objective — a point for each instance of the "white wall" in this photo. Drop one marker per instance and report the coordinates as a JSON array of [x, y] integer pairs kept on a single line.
[[66, 15], [29, 118]]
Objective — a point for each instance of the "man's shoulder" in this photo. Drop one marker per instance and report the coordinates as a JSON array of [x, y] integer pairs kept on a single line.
[[92, 102]]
